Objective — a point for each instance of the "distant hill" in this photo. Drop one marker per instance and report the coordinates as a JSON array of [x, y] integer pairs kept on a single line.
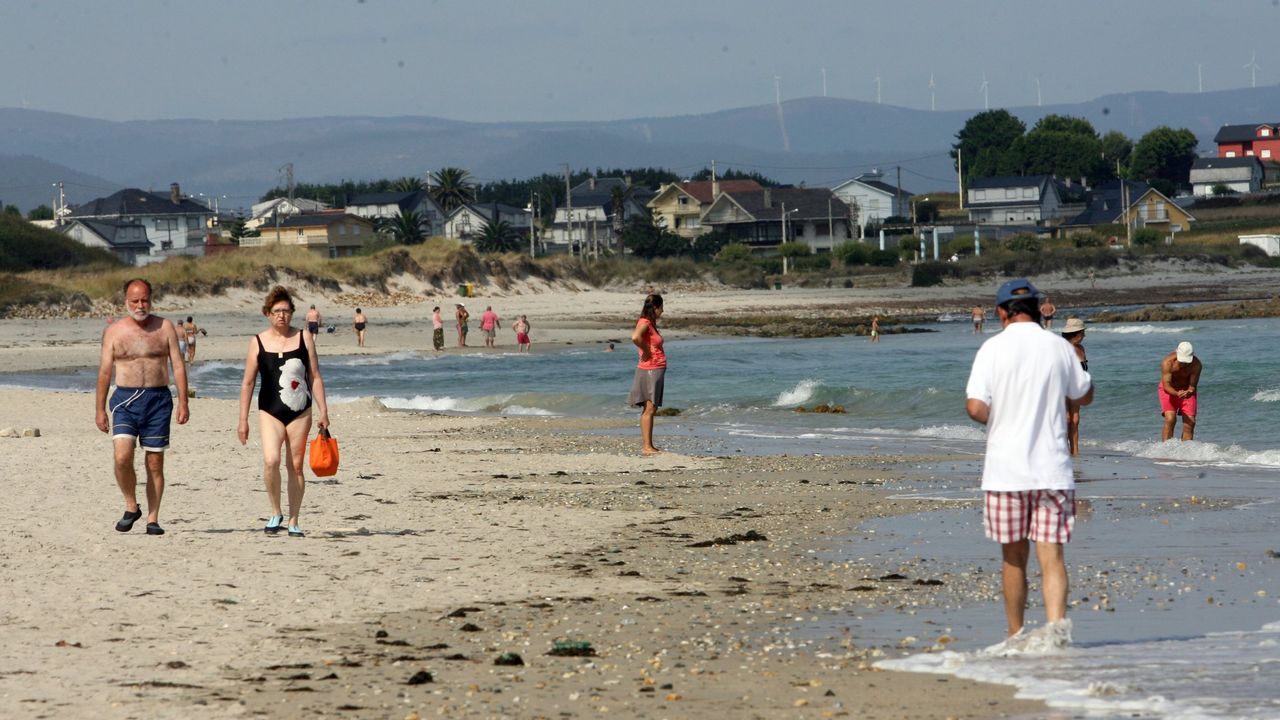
[[818, 141], [27, 181]]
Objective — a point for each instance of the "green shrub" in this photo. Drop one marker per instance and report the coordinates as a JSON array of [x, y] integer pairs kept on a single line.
[[1219, 190], [883, 258], [928, 274], [1024, 243], [740, 274], [1088, 240], [377, 243], [851, 252], [812, 263], [734, 252], [1147, 237], [794, 249], [24, 246], [961, 246]]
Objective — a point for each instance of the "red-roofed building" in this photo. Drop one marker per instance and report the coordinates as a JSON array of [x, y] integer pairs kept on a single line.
[[679, 207]]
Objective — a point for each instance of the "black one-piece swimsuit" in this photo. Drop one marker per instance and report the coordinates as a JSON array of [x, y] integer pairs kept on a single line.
[[270, 367]]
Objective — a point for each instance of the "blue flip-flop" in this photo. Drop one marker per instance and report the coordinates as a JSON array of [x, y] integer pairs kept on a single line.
[[274, 525], [125, 524]]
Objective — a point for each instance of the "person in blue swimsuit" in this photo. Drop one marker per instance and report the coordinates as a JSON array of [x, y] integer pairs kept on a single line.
[[284, 358]]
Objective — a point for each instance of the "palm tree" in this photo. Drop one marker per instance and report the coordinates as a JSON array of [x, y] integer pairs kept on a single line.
[[497, 236], [406, 228], [407, 184], [452, 187]]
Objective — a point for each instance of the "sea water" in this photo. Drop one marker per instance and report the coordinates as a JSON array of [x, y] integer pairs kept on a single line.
[[1183, 659]]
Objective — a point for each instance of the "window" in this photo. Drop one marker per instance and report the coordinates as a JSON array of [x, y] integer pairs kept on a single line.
[[692, 222], [1028, 192], [979, 194], [193, 222], [1266, 153], [682, 200], [1248, 153], [342, 228], [1264, 132], [166, 224], [1230, 153], [355, 229], [1010, 193]]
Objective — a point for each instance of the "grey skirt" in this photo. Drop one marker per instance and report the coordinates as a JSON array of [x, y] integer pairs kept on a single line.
[[647, 387]]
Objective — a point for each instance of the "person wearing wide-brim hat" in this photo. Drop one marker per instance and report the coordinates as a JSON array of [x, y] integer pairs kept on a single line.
[[1073, 332]]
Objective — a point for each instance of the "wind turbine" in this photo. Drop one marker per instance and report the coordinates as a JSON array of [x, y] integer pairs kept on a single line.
[[1039, 101], [877, 87], [777, 91], [933, 105], [986, 102], [824, 82], [1253, 68], [1200, 77]]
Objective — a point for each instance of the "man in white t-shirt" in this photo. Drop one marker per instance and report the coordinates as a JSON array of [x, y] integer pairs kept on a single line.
[[1018, 387]]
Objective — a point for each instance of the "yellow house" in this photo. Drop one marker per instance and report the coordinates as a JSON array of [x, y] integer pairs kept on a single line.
[[1148, 207], [679, 206], [1152, 209], [332, 234]]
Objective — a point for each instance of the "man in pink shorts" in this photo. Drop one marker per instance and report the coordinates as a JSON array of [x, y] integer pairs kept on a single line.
[[1179, 376], [1018, 387]]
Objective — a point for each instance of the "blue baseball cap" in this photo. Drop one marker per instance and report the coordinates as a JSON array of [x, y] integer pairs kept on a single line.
[[1020, 287]]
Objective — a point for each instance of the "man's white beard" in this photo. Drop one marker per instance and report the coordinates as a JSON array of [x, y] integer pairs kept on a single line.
[[140, 315]]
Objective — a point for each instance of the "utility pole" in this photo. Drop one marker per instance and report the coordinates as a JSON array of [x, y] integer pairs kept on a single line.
[[568, 204], [287, 169], [59, 204], [899, 196]]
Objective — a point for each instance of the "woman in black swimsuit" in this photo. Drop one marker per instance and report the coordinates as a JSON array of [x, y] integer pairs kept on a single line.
[[284, 357]]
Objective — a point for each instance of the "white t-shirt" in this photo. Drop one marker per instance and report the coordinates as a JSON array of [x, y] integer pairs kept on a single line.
[[1025, 373]]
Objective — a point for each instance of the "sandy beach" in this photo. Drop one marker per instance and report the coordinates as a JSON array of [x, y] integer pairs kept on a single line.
[[447, 541]]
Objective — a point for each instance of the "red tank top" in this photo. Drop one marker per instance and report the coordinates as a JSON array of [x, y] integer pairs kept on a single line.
[[652, 340]]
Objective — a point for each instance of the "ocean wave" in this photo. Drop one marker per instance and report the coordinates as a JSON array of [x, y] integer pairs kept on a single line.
[[802, 392], [364, 360], [521, 410], [1139, 329], [445, 403], [1195, 451], [951, 432], [1272, 395], [209, 367]]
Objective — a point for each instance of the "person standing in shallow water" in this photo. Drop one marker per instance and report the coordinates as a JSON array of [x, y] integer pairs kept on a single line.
[[651, 371], [284, 358], [437, 329], [1073, 332], [1179, 376], [1018, 387]]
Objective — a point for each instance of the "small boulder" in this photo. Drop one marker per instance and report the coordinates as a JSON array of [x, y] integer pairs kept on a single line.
[[31, 432], [8, 432]]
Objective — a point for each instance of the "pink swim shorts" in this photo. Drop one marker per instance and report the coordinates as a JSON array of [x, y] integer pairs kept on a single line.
[[1040, 515], [1185, 407]]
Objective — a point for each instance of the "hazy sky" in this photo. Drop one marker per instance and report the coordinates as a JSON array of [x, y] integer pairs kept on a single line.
[[558, 60]]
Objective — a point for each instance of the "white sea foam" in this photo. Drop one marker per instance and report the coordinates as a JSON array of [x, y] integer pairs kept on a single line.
[[521, 410], [1197, 452], [1271, 395], [363, 360], [798, 394], [443, 403], [951, 432], [1139, 329]]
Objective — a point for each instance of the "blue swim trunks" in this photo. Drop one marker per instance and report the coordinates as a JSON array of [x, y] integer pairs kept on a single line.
[[142, 414]]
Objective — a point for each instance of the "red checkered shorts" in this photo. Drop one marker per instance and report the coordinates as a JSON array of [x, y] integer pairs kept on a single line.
[[1040, 515]]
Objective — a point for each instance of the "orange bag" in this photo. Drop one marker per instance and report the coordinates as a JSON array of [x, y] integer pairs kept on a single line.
[[324, 454]]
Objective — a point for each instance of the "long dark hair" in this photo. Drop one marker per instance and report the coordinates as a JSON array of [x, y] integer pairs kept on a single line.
[[652, 304]]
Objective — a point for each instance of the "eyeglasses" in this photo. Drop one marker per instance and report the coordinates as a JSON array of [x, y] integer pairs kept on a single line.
[[281, 311]]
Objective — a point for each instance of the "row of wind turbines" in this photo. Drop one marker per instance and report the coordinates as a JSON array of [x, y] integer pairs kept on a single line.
[[985, 87]]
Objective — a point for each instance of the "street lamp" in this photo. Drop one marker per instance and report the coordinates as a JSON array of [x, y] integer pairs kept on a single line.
[[785, 215], [532, 226], [915, 221]]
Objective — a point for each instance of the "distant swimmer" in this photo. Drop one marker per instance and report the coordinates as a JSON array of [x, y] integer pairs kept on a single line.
[[359, 323], [1073, 332], [1018, 388], [875, 329], [609, 347], [1047, 311], [979, 317], [313, 321], [437, 329], [1179, 376], [521, 328]]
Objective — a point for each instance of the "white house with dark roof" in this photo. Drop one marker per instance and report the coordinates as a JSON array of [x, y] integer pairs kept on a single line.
[[126, 239], [1015, 200], [1238, 174], [759, 218], [376, 206], [873, 198], [265, 213], [467, 221], [592, 216], [175, 225]]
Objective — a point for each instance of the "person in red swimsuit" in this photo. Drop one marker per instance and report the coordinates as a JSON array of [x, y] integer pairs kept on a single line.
[[1179, 376]]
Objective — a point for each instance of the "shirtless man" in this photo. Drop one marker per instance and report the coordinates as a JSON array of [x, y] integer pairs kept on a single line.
[[141, 348], [521, 327], [979, 316], [460, 316], [189, 331], [313, 322], [875, 329], [1179, 376], [1047, 311]]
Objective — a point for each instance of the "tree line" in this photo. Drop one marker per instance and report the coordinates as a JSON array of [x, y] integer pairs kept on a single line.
[[995, 142]]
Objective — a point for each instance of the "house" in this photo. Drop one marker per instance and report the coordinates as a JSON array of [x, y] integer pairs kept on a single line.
[[332, 234], [679, 206], [1016, 200], [265, 213], [175, 225], [1260, 140], [591, 221], [127, 239], [873, 199], [814, 216], [1148, 207], [1238, 174], [467, 221], [376, 206]]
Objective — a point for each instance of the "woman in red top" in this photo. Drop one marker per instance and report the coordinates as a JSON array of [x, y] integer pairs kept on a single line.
[[646, 389]]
